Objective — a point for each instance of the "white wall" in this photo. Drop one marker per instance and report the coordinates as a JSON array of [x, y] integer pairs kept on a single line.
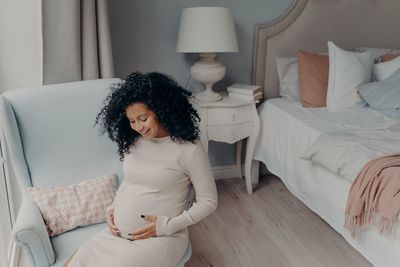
[[19, 44]]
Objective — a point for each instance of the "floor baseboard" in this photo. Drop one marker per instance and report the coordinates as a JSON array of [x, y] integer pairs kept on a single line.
[[227, 171]]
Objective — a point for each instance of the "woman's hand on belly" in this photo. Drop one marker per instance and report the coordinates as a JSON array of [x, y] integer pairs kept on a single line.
[[147, 231], [110, 223]]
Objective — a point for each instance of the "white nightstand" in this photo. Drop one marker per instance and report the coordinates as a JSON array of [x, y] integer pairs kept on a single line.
[[231, 120]]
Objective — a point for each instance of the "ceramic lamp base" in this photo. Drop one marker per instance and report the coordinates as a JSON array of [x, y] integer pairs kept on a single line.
[[208, 96], [208, 71]]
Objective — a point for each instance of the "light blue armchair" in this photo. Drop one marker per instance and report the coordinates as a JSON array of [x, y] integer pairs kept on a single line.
[[50, 140]]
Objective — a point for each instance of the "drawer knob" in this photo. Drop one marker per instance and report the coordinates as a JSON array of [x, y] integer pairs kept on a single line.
[[233, 117]]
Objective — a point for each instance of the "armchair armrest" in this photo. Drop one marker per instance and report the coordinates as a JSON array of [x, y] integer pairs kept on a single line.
[[30, 232]]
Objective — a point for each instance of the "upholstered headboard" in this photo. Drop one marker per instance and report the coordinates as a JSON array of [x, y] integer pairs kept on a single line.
[[309, 24]]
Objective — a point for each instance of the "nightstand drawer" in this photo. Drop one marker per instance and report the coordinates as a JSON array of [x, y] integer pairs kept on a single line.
[[229, 133], [227, 116]]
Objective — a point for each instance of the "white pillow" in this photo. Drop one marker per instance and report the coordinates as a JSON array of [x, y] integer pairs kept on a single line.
[[383, 70], [347, 71], [288, 73]]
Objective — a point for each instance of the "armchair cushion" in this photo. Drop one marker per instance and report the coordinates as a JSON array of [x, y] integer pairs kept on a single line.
[[69, 242]]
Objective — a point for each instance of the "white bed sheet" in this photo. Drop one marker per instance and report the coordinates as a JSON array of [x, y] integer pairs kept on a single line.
[[287, 130]]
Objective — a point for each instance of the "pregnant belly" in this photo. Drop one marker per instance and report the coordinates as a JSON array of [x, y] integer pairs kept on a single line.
[[129, 205]]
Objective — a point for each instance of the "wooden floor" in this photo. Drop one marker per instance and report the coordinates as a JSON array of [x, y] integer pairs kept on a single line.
[[270, 228]]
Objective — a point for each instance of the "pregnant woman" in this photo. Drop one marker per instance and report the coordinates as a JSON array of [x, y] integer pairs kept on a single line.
[[156, 129]]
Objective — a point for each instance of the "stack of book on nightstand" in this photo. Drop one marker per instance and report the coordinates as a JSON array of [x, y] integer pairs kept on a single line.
[[245, 91]]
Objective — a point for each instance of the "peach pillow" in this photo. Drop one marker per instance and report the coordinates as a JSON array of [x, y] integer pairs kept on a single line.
[[313, 76], [66, 207], [389, 57]]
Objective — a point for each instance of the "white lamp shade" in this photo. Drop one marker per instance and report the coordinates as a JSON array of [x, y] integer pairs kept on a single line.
[[207, 30]]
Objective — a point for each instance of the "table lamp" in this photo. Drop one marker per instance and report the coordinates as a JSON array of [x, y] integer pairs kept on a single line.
[[207, 31]]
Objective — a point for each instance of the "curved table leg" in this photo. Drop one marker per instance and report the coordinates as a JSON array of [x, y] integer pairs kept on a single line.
[[250, 165], [239, 145]]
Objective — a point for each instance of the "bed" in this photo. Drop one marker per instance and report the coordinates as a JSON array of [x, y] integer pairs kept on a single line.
[[288, 129]]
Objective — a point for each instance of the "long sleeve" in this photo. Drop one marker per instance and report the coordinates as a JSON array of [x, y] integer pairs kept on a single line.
[[199, 170]]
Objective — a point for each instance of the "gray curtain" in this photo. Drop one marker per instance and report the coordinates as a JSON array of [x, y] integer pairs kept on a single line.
[[76, 43]]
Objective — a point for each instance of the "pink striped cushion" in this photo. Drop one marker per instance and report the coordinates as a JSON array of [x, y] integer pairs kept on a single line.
[[67, 207]]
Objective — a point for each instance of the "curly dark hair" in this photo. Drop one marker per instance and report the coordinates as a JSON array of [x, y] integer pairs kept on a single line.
[[158, 92]]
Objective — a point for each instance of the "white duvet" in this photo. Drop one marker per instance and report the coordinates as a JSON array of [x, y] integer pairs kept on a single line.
[[346, 152]]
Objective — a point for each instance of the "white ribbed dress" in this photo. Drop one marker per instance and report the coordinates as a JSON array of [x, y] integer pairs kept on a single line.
[[158, 175]]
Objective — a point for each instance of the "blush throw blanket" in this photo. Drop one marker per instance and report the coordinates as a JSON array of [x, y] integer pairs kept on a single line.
[[375, 196]]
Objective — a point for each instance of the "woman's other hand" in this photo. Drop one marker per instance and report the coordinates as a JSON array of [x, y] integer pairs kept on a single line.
[[147, 231], [110, 223]]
